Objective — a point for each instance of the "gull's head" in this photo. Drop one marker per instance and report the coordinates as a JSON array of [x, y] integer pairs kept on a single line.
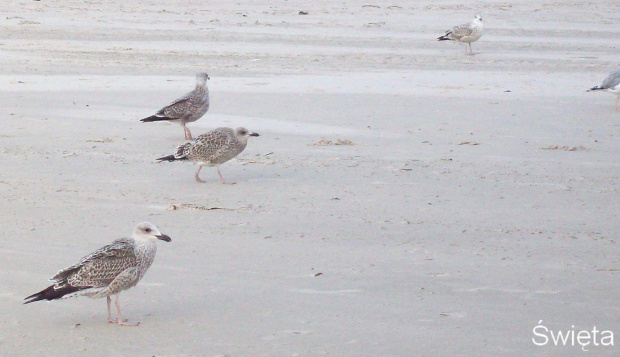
[[478, 18], [243, 134], [202, 78], [148, 232]]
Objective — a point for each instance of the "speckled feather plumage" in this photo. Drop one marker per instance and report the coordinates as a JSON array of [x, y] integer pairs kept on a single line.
[[464, 33], [192, 106], [109, 270], [461, 31], [212, 148]]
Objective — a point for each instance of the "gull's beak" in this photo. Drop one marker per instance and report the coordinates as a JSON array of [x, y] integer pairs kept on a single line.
[[253, 134], [163, 237]]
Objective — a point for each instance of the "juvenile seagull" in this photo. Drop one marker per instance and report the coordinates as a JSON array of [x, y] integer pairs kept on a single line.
[[212, 149], [610, 84], [187, 108], [466, 33], [107, 271]]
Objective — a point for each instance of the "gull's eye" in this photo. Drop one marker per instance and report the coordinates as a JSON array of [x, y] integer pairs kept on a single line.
[[148, 230]]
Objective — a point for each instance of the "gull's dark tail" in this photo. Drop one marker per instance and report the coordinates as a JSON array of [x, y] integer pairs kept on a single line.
[[445, 37], [155, 118], [595, 88], [170, 158], [50, 293], [178, 155]]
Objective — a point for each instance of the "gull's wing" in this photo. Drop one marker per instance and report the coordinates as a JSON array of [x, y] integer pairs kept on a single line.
[[612, 80], [99, 268], [179, 107], [209, 145], [461, 31]]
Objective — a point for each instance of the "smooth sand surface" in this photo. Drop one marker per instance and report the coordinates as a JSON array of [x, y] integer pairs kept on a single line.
[[480, 195]]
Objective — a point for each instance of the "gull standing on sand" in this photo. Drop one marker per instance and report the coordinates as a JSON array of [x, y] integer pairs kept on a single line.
[[610, 84], [466, 33], [107, 271], [212, 149], [188, 108]]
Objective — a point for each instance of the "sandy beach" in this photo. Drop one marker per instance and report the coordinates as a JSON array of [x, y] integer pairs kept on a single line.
[[403, 199]]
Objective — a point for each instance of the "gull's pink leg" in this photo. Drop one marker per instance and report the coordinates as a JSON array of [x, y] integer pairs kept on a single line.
[[188, 134], [120, 318], [198, 179], [109, 301], [222, 178]]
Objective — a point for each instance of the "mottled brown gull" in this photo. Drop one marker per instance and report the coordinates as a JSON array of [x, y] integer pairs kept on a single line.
[[188, 108], [212, 149], [107, 271], [466, 33], [610, 84]]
